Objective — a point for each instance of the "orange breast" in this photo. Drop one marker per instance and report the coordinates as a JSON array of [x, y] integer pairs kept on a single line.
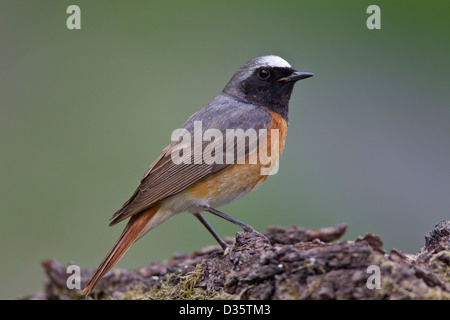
[[239, 179]]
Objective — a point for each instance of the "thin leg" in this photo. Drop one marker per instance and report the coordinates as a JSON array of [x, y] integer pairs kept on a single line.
[[244, 226], [222, 243]]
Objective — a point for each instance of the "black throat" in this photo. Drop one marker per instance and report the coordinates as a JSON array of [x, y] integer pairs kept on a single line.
[[274, 95]]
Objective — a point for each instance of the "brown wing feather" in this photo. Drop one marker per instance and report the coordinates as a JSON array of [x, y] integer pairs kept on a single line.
[[163, 179], [157, 160]]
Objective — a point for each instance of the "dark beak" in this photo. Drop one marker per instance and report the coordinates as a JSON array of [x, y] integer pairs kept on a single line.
[[295, 76]]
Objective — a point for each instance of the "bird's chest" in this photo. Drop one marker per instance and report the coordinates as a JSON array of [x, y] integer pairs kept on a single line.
[[241, 178]]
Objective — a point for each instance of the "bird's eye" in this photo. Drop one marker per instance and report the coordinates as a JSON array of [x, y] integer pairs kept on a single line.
[[263, 74]]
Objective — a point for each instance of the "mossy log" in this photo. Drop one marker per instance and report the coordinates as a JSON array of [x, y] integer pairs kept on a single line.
[[285, 263]]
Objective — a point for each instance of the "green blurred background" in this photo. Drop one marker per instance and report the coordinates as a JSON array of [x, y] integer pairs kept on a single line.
[[83, 113]]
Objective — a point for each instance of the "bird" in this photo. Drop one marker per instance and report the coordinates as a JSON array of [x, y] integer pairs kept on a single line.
[[256, 99]]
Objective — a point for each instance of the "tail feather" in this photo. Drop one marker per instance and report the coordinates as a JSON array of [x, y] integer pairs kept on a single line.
[[130, 234]]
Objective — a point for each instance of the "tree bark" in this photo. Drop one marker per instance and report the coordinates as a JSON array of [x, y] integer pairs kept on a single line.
[[285, 263]]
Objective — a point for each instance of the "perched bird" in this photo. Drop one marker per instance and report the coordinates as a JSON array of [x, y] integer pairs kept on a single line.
[[255, 99]]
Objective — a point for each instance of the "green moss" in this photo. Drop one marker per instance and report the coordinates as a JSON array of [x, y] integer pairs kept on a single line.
[[290, 290], [184, 289], [440, 266]]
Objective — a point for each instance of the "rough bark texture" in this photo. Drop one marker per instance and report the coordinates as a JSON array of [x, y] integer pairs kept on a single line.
[[288, 263]]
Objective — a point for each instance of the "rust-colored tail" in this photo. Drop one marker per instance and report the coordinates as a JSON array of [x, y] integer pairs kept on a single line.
[[135, 226]]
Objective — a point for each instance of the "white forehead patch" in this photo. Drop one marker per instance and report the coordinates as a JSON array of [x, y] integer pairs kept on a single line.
[[274, 61]]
